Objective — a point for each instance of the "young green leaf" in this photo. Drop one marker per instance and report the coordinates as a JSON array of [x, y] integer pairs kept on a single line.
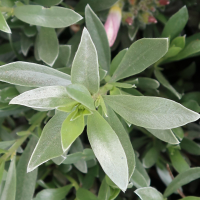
[[26, 44], [117, 126], [63, 56], [48, 47], [166, 83], [71, 129], [32, 75], [49, 97], [175, 24], [49, 145], [165, 135], [190, 146], [30, 30], [99, 37], [53, 194], [151, 112], [80, 164], [140, 55], [182, 179], [116, 61], [83, 194], [150, 157], [9, 190], [54, 17], [81, 94], [191, 49], [3, 24], [104, 191], [85, 68], [149, 193], [178, 161], [146, 83], [26, 181], [108, 150]]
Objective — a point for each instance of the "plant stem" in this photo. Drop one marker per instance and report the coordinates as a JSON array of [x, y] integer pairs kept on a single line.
[[170, 173], [16, 145], [73, 181], [6, 9]]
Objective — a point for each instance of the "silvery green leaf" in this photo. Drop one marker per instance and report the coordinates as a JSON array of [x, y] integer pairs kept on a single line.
[[49, 145], [54, 193], [166, 83], [49, 97], [85, 67], [99, 37], [176, 23], [108, 150], [123, 136], [165, 135], [26, 181], [48, 47], [54, 17], [3, 24], [149, 193], [141, 54], [151, 112], [32, 75], [80, 94], [182, 179], [63, 56], [9, 190]]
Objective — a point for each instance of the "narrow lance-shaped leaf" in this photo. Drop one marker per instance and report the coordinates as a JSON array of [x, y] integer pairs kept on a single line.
[[76, 148], [139, 56], [49, 145], [48, 47], [32, 75], [190, 198], [149, 193], [85, 68], [182, 179], [49, 97], [81, 94], [9, 190], [175, 24], [117, 126], [3, 24], [54, 17], [164, 135], [26, 181], [99, 37], [140, 177], [151, 112], [178, 162], [26, 43], [108, 150], [63, 56], [116, 61], [166, 83]]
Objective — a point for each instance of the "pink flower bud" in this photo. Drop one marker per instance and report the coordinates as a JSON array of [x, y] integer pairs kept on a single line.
[[129, 20], [164, 2], [113, 23], [152, 20]]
